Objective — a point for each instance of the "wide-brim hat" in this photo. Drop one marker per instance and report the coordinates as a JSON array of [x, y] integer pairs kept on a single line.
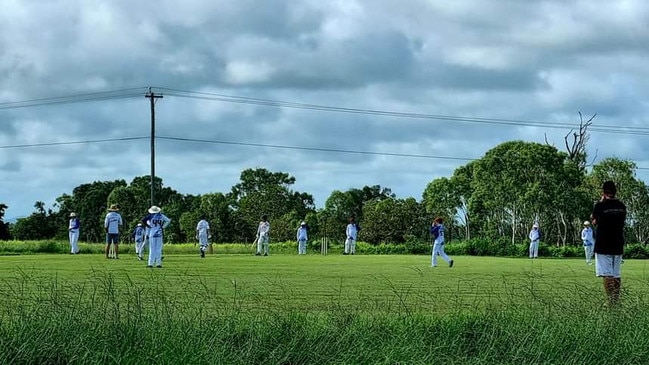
[[113, 208], [586, 223], [73, 214], [303, 224], [535, 225], [154, 209]]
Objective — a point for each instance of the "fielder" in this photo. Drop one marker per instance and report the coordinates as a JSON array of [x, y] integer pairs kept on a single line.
[[138, 236], [112, 223], [73, 232], [301, 239], [352, 233], [203, 234], [157, 222], [437, 231], [263, 236], [587, 238], [534, 237]]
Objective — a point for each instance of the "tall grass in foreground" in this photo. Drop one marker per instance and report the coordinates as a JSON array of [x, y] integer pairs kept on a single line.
[[58, 322]]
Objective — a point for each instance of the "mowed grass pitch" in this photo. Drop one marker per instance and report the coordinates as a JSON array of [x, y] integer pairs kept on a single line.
[[289, 309]]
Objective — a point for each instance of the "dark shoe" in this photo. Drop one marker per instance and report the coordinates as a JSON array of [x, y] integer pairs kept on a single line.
[[257, 254], [345, 253], [450, 264], [265, 254], [203, 254], [149, 266], [139, 258], [159, 266]]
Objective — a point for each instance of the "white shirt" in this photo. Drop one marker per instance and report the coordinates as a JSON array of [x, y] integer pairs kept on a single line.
[[264, 229], [351, 231], [301, 234], [587, 236], [113, 221], [202, 227], [157, 222], [534, 235]]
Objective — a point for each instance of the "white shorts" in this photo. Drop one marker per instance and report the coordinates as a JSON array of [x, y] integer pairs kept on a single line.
[[608, 265]]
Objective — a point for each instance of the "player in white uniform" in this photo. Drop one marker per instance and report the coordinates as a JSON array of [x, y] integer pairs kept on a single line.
[[156, 222], [437, 231], [301, 239], [352, 234], [534, 237], [73, 232], [138, 236], [587, 238], [112, 223], [203, 234], [263, 236]]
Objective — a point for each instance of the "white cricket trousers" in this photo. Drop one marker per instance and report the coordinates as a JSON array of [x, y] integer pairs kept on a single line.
[[588, 250], [74, 238], [155, 251], [262, 245], [438, 250], [350, 246], [301, 247], [139, 247], [534, 249]]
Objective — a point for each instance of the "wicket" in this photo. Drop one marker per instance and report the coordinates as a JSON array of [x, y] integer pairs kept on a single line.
[[324, 246], [111, 251]]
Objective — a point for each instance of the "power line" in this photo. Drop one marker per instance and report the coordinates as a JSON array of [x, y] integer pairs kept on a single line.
[[316, 149], [68, 143], [480, 120], [75, 98]]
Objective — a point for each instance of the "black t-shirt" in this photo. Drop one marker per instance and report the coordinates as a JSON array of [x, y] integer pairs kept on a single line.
[[610, 215]]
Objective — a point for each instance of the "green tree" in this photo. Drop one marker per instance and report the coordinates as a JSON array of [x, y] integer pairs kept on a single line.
[[4, 228], [262, 192]]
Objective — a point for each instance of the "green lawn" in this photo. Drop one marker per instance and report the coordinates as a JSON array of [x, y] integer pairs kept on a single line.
[[313, 282], [289, 309]]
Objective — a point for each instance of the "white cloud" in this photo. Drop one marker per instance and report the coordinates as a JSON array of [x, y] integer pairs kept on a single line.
[[541, 60]]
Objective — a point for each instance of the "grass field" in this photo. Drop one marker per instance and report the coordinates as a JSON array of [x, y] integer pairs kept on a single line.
[[289, 309]]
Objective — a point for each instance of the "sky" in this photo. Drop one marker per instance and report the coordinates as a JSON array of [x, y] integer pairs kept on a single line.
[[329, 79]]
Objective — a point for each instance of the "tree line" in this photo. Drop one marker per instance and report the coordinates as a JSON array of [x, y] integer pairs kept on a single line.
[[499, 195]]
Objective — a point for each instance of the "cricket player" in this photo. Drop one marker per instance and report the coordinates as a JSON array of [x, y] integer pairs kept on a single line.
[[157, 222], [609, 215], [534, 237], [437, 231], [138, 236], [112, 223], [352, 234], [203, 234], [73, 232], [301, 239], [587, 238], [263, 236]]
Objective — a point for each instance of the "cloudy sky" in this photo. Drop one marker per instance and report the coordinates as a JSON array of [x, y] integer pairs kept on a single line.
[[535, 62]]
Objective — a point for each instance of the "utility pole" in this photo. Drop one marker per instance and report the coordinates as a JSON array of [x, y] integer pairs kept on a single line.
[[152, 97]]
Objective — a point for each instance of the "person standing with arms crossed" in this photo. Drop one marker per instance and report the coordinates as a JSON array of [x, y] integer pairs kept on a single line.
[[437, 231], [157, 222], [73, 232], [203, 234], [609, 215], [263, 236], [587, 238], [112, 223], [301, 239]]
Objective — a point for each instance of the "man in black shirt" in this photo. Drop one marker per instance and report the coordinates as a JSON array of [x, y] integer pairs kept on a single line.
[[609, 214]]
